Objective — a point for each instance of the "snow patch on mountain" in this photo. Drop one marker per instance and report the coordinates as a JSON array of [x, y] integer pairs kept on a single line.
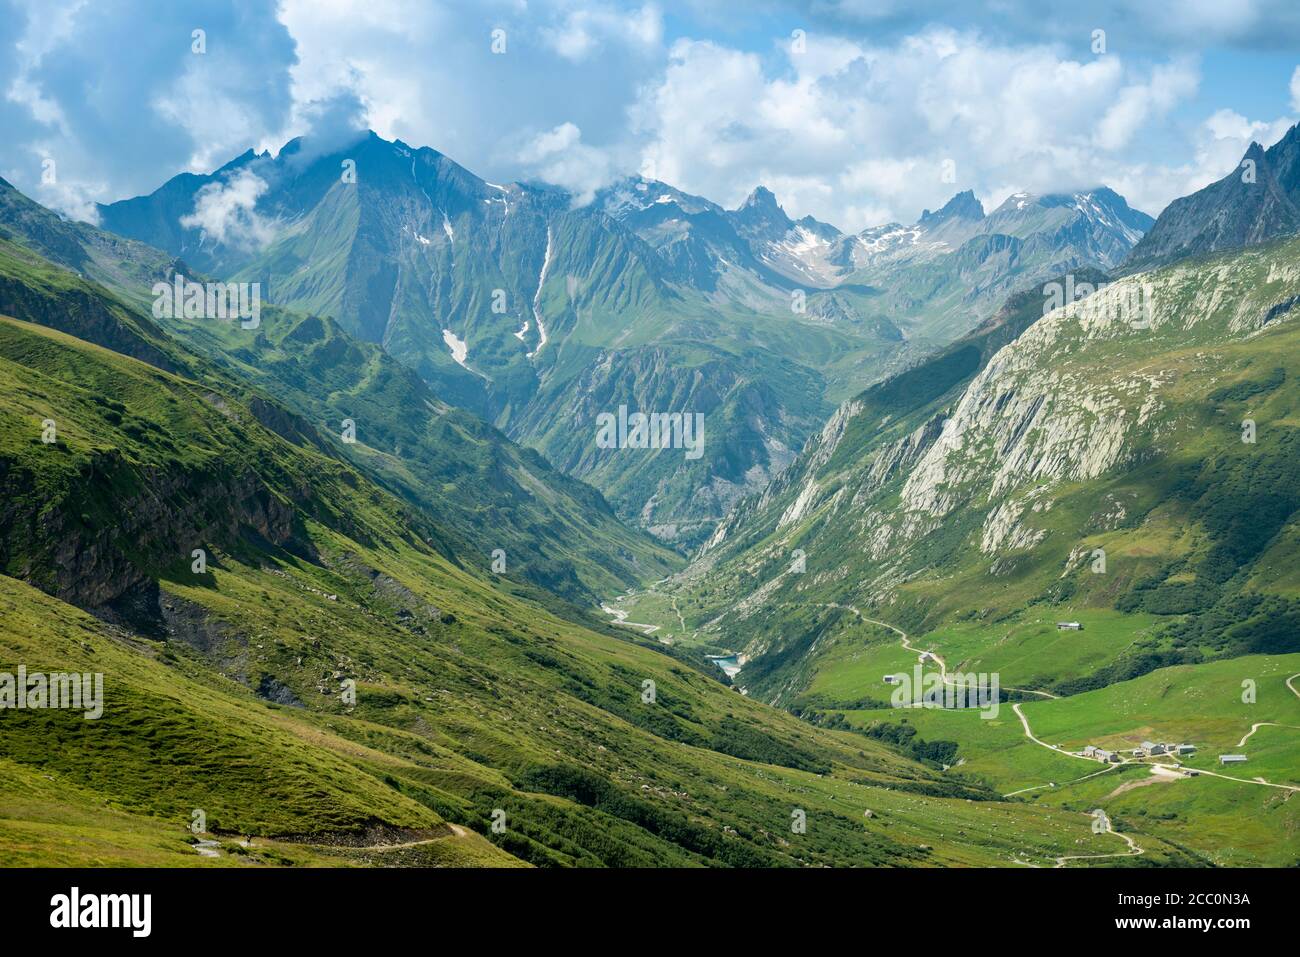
[[537, 298], [459, 347]]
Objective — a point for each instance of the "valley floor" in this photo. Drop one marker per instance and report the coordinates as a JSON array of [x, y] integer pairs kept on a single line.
[[1032, 749]]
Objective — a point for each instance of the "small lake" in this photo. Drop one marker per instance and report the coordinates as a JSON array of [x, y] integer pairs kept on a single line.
[[730, 664]]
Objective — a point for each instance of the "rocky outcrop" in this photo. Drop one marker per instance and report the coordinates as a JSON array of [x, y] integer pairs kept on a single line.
[[78, 553]]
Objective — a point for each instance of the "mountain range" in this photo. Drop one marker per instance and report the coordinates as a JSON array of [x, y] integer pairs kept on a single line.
[[540, 316], [1054, 443]]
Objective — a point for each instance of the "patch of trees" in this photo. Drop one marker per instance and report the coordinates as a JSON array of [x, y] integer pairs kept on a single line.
[[823, 701], [904, 737], [743, 741], [1133, 666], [1245, 624]]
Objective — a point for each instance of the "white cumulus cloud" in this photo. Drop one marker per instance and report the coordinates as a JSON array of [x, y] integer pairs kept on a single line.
[[850, 132], [584, 29], [226, 212], [559, 156]]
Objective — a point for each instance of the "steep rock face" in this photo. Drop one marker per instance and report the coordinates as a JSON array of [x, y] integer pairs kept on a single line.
[[81, 314], [801, 477], [96, 566], [1256, 202], [127, 513], [878, 436], [761, 217], [963, 206], [749, 432], [29, 290], [1035, 417]]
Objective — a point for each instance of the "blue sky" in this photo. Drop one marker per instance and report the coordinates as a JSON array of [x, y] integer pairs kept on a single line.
[[855, 111]]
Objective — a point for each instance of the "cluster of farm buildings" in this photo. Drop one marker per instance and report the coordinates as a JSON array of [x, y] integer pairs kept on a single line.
[[1151, 748], [1155, 749]]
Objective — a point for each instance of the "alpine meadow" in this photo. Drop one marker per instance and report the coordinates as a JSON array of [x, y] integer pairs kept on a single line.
[[449, 436]]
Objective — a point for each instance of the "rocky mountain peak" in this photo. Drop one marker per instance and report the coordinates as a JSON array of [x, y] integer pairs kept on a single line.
[[760, 213], [962, 206]]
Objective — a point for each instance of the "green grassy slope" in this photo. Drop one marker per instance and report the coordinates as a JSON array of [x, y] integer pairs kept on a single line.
[[225, 690], [1249, 821]]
